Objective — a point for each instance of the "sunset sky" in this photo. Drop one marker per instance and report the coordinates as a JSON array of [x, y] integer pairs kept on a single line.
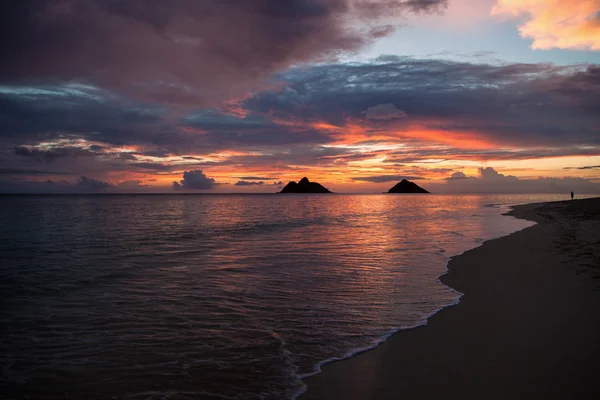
[[223, 96]]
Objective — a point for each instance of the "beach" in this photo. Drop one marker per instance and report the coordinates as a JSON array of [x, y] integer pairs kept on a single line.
[[528, 325]]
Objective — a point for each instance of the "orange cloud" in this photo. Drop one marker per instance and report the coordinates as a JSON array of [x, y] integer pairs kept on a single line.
[[356, 131], [565, 24], [465, 140]]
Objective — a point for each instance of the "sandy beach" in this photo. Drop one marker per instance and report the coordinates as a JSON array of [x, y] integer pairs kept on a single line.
[[527, 327]]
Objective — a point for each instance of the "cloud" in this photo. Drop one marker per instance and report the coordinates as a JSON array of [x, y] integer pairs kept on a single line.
[[457, 175], [33, 116], [86, 184], [159, 153], [385, 178], [563, 24], [585, 167], [384, 112], [492, 181], [249, 183], [83, 184], [194, 180], [19, 171], [185, 51], [422, 155], [26, 186], [455, 111], [458, 104], [489, 173], [475, 110], [49, 155]]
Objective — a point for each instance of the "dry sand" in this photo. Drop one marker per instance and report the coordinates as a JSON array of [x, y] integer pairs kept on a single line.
[[528, 326]]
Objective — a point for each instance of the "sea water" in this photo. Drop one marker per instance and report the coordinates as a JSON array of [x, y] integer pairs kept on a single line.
[[219, 296]]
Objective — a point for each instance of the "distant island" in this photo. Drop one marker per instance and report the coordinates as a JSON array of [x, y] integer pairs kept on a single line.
[[405, 186], [304, 186]]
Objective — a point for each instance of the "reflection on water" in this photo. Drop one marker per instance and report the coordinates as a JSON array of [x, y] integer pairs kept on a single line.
[[217, 296]]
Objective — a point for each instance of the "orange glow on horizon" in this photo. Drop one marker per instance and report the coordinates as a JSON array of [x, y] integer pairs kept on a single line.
[[358, 149]]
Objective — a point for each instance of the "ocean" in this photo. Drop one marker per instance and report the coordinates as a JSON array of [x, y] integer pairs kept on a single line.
[[219, 296]]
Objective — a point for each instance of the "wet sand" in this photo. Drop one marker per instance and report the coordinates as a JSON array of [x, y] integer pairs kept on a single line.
[[528, 326]]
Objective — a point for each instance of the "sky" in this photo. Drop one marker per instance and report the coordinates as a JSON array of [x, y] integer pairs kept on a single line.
[[220, 96]]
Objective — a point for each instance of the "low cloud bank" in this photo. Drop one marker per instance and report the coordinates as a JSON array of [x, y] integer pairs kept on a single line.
[[83, 184], [490, 180]]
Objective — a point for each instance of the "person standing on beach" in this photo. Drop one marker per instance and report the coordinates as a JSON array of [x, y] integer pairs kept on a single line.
[[572, 195]]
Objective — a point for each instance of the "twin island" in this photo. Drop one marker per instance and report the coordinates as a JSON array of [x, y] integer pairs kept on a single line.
[[306, 186]]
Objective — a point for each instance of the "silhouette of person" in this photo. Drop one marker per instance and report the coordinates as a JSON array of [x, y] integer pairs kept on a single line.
[[572, 195]]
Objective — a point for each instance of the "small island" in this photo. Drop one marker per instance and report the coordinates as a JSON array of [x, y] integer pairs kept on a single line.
[[405, 186], [304, 186]]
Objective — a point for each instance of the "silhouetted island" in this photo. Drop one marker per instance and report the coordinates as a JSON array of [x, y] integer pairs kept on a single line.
[[405, 186], [304, 186]]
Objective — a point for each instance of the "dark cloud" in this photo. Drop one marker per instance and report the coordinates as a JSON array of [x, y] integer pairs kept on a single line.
[[194, 180], [525, 111], [384, 112], [221, 131], [249, 183], [159, 153], [86, 184], [282, 158], [30, 115], [585, 167], [83, 184], [549, 110], [52, 153], [127, 157], [183, 51], [18, 171], [25, 186], [490, 173], [513, 104], [386, 178]]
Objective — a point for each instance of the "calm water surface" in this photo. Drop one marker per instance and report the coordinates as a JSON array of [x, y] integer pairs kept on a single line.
[[218, 296]]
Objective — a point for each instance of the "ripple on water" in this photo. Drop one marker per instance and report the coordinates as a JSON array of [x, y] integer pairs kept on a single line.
[[176, 297]]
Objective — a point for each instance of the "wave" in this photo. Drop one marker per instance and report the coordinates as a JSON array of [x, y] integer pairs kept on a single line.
[[317, 368], [219, 291]]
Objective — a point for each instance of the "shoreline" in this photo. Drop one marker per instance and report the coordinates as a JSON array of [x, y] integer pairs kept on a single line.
[[487, 340], [382, 339]]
